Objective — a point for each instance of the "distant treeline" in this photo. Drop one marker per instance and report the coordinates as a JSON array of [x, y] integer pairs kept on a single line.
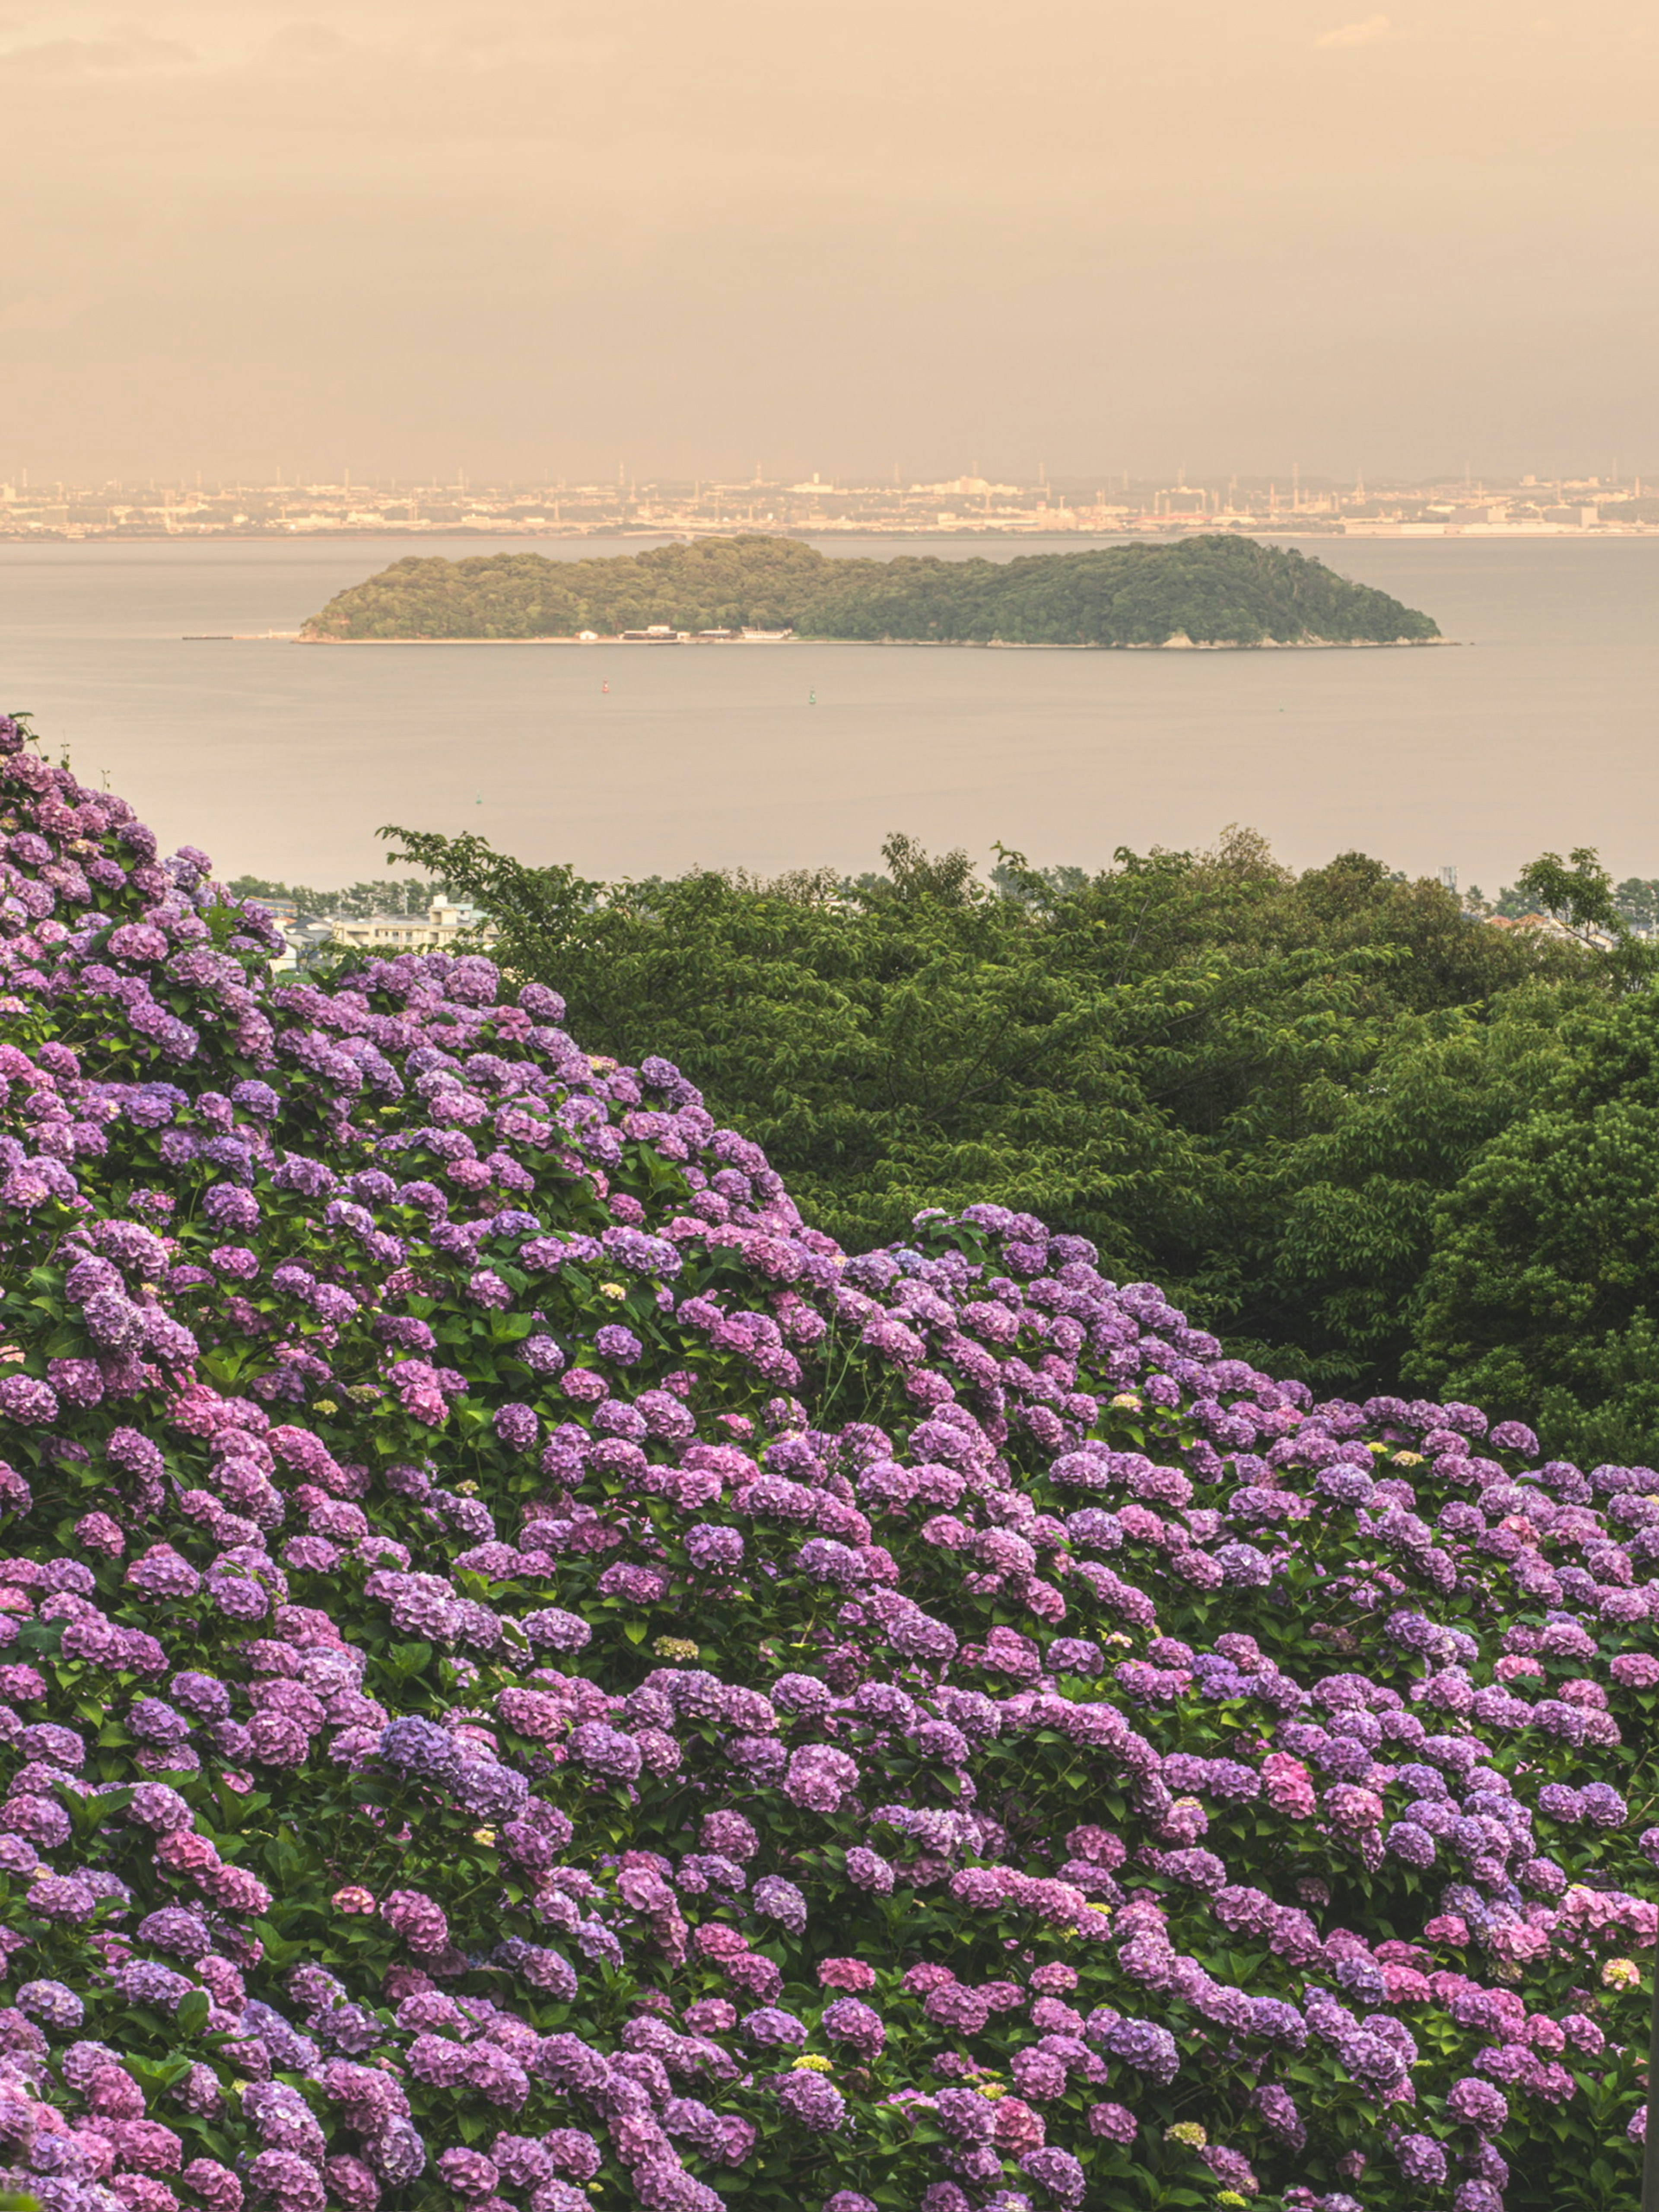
[[1211, 590], [1635, 901], [386, 895]]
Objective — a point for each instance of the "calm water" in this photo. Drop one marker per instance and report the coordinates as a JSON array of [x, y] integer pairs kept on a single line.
[[283, 760]]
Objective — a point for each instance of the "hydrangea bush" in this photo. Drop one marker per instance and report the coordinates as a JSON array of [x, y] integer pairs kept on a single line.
[[529, 1678]]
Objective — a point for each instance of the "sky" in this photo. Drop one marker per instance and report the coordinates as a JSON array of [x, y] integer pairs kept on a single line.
[[537, 240]]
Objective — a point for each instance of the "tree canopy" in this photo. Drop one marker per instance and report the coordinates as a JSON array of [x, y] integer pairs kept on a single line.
[[402, 895], [1210, 590], [1277, 1093], [1543, 1284]]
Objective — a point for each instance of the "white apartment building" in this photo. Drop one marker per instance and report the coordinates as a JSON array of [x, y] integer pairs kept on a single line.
[[444, 922], [435, 930]]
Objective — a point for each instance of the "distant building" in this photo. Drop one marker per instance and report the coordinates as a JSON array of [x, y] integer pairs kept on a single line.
[[1550, 925], [301, 943], [435, 930], [445, 922]]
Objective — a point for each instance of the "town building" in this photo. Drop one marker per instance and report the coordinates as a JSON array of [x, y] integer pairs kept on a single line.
[[444, 925]]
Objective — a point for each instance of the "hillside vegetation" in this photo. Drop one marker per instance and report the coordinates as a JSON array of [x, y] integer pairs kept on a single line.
[[1214, 591], [534, 1680], [1363, 1131]]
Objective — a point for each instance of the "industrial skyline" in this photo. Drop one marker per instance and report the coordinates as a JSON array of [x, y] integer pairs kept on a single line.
[[970, 504]]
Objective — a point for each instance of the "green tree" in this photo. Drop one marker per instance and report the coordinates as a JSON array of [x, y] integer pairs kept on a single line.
[[399, 895], [1637, 901], [1577, 892], [1542, 1293], [1251, 1086], [1356, 1221]]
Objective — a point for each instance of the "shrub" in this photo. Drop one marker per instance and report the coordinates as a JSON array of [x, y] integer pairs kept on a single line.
[[530, 1676]]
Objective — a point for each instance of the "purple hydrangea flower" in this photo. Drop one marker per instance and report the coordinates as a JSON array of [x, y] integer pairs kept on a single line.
[[145, 1982], [812, 2100], [782, 1901], [52, 2004], [517, 1426], [1057, 2171], [1478, 2104], [709, 1548], [848, 2019]]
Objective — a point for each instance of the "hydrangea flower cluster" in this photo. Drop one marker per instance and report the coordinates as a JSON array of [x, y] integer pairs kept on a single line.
[[528, 1677]]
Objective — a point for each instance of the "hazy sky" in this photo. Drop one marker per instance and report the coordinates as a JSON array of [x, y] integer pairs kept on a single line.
[[526, 237]]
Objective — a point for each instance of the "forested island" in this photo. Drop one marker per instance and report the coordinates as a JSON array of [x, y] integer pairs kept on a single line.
[[1208, 591]]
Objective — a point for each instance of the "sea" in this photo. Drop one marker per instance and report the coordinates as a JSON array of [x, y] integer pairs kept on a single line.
[[1535, 729]]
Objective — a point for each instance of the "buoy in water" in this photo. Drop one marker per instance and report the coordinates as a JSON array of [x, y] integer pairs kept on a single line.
[[604, 687], [811, 698]]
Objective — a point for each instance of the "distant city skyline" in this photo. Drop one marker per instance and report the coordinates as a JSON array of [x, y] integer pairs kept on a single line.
[[1108, 506]]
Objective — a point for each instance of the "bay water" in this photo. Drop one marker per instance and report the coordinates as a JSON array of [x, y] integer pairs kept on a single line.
[[1537, 729]]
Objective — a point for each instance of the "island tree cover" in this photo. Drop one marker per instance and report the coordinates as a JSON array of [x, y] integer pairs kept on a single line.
[[1280, 1095], [1211, 590], [534, 1678]]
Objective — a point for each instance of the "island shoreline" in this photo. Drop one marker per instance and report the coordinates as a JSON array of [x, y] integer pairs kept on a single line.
[[925, 644]]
